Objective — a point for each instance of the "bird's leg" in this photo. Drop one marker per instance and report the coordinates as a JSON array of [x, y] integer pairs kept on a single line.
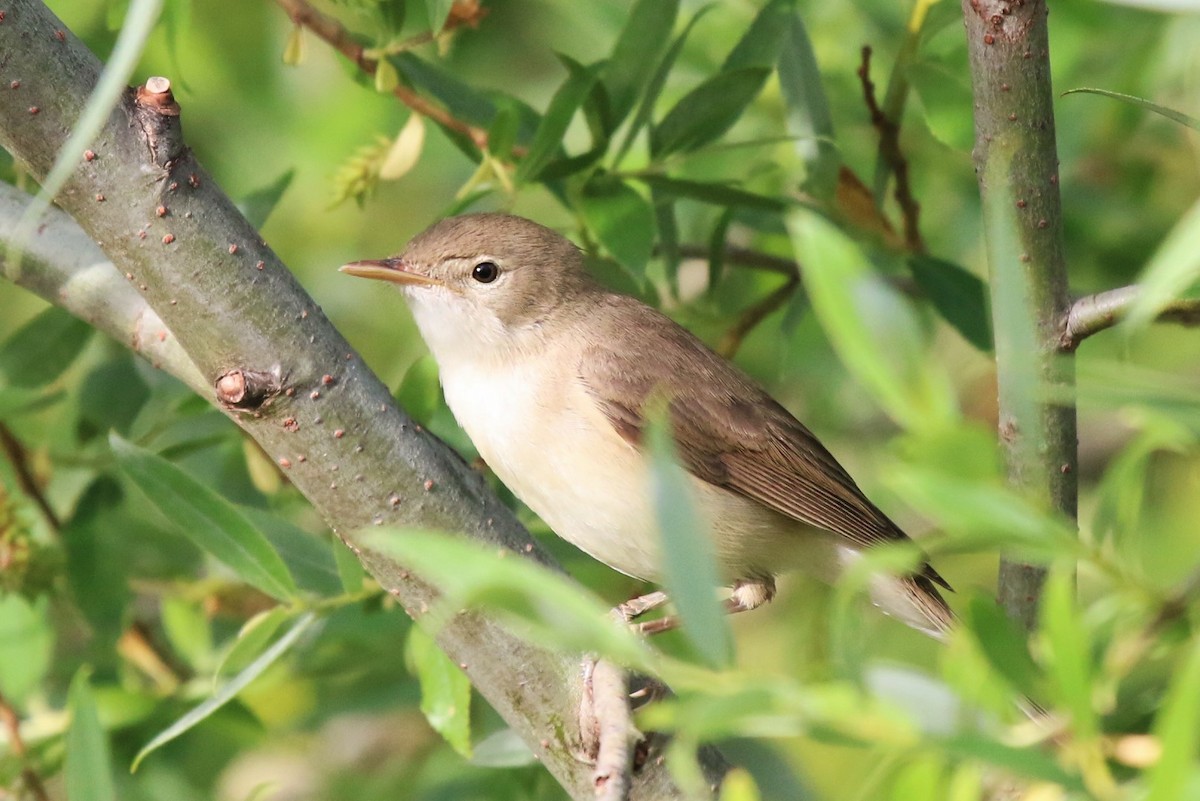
[[747, 594]]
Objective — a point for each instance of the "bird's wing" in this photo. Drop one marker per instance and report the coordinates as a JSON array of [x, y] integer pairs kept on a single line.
[[729, 432]]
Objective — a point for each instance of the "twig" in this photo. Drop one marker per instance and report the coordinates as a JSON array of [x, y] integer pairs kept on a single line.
[[613, 775], [12, 726], [1094, 313], [889, 151], [332, 31], [744, 257], [755, 314], [15, 452]]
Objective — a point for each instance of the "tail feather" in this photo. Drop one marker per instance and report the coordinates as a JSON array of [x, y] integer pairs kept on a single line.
[[915, 600]]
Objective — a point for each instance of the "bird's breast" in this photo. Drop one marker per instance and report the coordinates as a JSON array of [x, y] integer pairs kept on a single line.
[[541, 433]]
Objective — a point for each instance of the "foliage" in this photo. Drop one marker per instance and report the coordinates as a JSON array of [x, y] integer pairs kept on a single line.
[[206, 628]]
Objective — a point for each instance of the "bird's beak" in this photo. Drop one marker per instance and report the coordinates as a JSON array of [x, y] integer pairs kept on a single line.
[[394, 270]]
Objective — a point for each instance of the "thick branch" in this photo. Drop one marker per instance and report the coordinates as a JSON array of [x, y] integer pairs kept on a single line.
[[234, 307], [1016, 164], [1092, 314]]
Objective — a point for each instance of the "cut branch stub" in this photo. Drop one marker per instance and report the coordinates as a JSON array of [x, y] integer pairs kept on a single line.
[[157, 114], [247, 390]]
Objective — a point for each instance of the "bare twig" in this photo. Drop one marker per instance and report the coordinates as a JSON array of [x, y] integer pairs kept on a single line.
[[755, 314], [12, 727], [1094, 313], [613, 774], [332, 31], [15, 452], [744, 257], [889, 151]]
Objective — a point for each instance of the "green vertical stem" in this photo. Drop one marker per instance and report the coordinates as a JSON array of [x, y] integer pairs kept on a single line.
[[1016, 163]]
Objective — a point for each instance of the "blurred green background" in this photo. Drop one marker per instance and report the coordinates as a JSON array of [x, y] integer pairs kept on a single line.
[[338, 718]]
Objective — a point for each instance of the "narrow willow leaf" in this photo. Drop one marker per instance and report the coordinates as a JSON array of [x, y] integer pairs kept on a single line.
[[1141, 102], [566, 101], [387, 77], [539, 603], [257, 206], [406, 150], [1028, 762], [1002, 644], [294, 49], [760, 45], [502, 749], [350, 570], [655, 85], [738, 785], [622, 220], [1177, 727], [42, 349], [714, 193], [88, 771], [707, 112], [943, 93], [1067, 653], [645, 35], [228, 691], [16, 401], [1173, 268], [445, 690], [960, 297], [689, 561], [26, 645], [210, 521], [251, 641], [809, 118], [438, 11]]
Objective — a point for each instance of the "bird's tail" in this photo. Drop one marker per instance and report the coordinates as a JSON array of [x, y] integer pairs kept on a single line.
[[915, 600]]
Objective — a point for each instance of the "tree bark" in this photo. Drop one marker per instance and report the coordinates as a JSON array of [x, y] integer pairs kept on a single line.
[[231, 310], [1016, 163]]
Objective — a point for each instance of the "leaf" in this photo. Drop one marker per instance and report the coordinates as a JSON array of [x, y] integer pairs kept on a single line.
[[16, 401], [406, 150], [622, 220], [88, 771], [227, 691], [294, 49], [306, 554], [1173, 268], [1067, 652], [214, 524], [387, 77], [763, 40], [42, 349], [445, 690], [714, 193], [706, 112], [1177, 727], [646, 33], [689, 561], [539, 603], [655, 85], [808, 115], [871, 327], [26, 644], [1029, 762], [350, 570], [257, 206], [251, 640], [438, 11], [944, 93], [1002, 644], [420, 394], [960, 297], [187, 629], [566, 101], [1141, 102], [502, 749]]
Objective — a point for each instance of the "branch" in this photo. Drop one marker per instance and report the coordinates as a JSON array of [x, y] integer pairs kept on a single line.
[[332, 31], [755, 314], [1016, 164], [890, 153], [235, 310], [1092, 314], [15, 452]]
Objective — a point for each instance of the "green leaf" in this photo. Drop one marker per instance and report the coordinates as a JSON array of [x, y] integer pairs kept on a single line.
[[16, 401], [1169, 113], [655, 86], [445, 690], [871, 327], [350, 570], [566, 101], [763, 40], [808, 115], [438, 11], [960, 297], [646, 33], [251, 641], [26, 643], [227, 691], [539, 603], [1002, 644], [1177, 727], [257, 205], [42, 349], [206, 518], [502, 749], [419, 393], [306, 554], [622, 220], [88, 771], [706, 112], [689, 561], [944, 93], [1067, 652], [1028, 762], [187, 628], [714, 193], [1173, 268]]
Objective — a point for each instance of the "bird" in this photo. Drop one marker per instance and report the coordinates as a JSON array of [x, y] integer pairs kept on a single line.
[[555, 378]]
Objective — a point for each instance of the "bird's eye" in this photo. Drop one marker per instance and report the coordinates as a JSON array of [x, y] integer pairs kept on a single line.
[[485, 272]]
